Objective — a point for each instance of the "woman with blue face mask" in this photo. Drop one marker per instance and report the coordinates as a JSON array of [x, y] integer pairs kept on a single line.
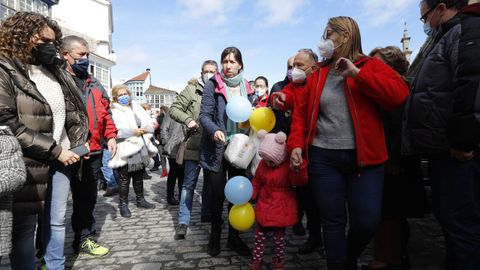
[[134, 147], [338, 128]]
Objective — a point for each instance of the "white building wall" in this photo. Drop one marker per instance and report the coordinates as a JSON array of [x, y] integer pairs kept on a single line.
[[91, 19]]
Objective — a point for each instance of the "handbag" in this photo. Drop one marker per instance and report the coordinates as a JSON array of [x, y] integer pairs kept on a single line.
[[181, 148], [180, 153]]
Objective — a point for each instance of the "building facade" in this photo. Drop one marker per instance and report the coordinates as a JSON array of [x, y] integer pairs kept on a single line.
[[96, 28], [157, 97], [93, 21], [9, 7], [138, 85]]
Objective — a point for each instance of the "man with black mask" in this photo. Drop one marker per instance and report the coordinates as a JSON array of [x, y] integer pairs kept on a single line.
[[74, 50], [40, 104]]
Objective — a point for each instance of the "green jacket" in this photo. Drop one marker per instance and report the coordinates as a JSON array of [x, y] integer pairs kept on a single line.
[[186, 108]]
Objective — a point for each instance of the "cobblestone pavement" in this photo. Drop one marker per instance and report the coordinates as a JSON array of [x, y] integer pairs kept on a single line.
[[145, 241]]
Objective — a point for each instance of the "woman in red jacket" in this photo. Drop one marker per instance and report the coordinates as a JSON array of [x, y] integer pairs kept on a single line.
[[337, 127]]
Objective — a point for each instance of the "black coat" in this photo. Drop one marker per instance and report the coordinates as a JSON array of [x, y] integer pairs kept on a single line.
[[29, 116], [443, 110]]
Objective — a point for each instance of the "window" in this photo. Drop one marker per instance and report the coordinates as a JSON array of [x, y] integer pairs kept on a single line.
[[6, 9], [8, 3], [5, 12], [102, 73]]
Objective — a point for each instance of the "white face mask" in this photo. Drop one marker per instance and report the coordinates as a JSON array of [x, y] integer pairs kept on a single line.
[[260, 91], [326, 48], [207, 76], [298, 75]]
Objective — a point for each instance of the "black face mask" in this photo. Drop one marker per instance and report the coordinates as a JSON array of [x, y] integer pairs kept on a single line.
[[44, 53]]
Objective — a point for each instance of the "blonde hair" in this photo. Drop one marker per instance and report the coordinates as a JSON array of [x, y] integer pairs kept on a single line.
[[116, 89], [353, 47]]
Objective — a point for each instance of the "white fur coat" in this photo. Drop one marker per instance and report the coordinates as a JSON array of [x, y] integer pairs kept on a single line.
[[129, 144]]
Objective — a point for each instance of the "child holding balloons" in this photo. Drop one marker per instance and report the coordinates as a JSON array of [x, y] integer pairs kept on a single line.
[[276, 206]]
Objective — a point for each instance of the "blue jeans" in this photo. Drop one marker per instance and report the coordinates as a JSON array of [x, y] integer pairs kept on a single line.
[[456, 204], [55, 209], [337, 184], [192, 170], [22, 256], [107, 171]]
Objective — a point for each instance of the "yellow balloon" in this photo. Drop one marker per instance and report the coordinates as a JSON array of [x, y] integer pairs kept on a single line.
[[262, 118], [242, 216]]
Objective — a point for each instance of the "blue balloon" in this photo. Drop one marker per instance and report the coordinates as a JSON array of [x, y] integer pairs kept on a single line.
[[239, 109], [238, 190]]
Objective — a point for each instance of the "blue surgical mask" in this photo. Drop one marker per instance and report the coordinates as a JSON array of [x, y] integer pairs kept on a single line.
[[428, 29], [124, 100], [80, 67]]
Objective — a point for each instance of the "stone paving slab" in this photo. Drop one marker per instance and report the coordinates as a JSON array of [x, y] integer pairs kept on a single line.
[[145, 241]]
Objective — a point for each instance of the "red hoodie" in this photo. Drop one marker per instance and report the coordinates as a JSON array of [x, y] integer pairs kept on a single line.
[[377, 85]]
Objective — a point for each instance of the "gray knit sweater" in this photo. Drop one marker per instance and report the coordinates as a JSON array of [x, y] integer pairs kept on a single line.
[[12, 177]]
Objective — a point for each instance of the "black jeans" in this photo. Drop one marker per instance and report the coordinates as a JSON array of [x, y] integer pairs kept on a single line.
[[217, 181], [456, 204], [84, 195], [306, 204], [177, 174]]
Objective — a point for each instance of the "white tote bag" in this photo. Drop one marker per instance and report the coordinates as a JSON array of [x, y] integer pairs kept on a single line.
[[240, 151]]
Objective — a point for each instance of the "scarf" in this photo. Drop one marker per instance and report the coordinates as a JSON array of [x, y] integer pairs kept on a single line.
[[232, 127]]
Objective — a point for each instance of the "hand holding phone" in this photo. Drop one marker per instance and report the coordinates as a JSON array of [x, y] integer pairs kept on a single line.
[[81, 150]]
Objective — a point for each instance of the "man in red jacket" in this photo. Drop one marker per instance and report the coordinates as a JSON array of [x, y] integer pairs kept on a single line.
[[304, 63], [75, 52]]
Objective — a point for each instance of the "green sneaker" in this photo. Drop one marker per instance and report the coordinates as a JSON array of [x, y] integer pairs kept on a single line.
[[93, 248], [43, 266]]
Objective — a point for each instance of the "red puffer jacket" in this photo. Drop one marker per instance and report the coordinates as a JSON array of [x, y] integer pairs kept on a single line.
[[276, 202], [100, 121], [377, 85]]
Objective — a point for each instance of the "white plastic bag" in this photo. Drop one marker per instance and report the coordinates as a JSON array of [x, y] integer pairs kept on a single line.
[[240, 151], [256, 159]]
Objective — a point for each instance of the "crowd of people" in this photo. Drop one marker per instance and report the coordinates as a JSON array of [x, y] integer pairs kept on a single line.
[[345, 153]]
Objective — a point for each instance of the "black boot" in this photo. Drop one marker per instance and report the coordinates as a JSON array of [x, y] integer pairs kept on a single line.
[[213, 248], [142, 203], [298, 228], [138, 188], [124, 183], [236, 244], [170, 190], [124, 211], [312, 243]]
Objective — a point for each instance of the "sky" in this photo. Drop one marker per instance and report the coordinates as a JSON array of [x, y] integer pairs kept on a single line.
[[174, 37]]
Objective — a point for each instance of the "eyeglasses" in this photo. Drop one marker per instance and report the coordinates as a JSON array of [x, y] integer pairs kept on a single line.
[[328, 33], [423, 19]]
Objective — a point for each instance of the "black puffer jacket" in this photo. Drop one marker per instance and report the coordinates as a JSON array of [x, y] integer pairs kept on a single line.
[[29, 116], [464, 127], [429, 107]]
